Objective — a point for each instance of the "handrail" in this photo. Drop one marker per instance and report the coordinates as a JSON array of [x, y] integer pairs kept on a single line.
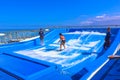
[[102, 60], [17, 35]]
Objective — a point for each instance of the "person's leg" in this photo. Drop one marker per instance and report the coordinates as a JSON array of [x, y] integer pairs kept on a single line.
[[108, 44], [60, 46], [41, 40], [64, 44], [104, 45]]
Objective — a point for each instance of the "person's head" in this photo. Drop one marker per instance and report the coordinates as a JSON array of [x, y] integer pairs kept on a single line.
[[108, 29], [40, 29], [60, 34]]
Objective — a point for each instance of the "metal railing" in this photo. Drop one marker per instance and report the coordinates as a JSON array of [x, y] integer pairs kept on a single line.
[[17, 36]]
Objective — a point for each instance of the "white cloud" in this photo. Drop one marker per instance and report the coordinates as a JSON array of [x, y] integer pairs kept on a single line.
[[112, 17], [103, 19], [106, 18], [102, 16]]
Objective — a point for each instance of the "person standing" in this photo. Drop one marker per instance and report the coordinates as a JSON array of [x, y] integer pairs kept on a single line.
[[107, 38], [62, 41], [41, 33]]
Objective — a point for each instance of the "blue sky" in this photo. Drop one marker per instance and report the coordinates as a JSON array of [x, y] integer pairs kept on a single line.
[[59, 12]]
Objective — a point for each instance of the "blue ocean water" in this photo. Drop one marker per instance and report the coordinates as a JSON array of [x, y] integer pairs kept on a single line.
[[10, 34]]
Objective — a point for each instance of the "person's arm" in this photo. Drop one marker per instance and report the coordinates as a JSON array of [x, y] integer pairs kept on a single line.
[[114, 56], [59, 40]]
